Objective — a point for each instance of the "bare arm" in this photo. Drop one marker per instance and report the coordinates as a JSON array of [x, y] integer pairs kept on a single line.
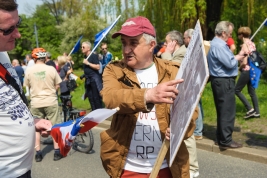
[[93, 66], [233, 48], [68, 74], [57, 86]]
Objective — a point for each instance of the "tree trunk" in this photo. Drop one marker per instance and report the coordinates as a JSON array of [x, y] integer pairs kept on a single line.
[[213, 17]]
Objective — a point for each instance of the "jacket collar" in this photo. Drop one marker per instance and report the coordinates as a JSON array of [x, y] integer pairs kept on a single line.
[[161, 67]]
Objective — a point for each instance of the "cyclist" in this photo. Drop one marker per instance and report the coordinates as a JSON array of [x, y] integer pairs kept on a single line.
[[43, 81]]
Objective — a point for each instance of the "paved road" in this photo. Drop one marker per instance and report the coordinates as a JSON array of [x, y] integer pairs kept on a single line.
[[81, 165]]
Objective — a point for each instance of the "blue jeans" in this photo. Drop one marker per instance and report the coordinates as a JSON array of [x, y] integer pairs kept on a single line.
[[199, 121]]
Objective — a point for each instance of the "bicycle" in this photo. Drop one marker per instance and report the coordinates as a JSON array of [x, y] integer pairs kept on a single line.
[[83, 142]]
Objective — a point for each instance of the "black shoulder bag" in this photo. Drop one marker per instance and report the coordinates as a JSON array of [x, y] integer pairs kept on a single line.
[[258, 60]]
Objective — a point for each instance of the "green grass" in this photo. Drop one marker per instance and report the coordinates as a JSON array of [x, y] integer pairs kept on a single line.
[[77, 101], [210, 111]]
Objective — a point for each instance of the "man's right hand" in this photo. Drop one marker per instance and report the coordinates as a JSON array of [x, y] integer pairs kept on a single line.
[[43, 126], [163, 93]]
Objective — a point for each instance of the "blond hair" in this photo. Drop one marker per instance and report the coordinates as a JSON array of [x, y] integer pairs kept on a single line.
[[61, 60]]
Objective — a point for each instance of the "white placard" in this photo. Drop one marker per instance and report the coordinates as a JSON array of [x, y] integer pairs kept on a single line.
[[194, 71]]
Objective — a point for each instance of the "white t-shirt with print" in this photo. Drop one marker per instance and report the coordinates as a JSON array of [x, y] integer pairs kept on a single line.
[[146, 140], [17, 130]]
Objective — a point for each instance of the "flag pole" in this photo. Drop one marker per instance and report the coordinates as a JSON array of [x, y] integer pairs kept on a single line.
[[258, 29], [110, 27], [75, 45]]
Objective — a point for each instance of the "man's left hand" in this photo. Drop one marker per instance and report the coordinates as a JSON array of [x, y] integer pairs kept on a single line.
[[167, 133]]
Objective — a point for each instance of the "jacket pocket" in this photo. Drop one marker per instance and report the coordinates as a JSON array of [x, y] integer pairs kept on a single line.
[[110, 154]]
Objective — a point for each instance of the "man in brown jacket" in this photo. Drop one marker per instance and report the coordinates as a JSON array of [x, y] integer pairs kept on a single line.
[[143, 87]]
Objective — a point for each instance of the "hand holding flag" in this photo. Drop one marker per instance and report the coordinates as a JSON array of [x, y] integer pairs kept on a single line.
[[65, 133]]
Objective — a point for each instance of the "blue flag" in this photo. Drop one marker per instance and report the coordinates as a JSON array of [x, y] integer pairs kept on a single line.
[[254, 74], [99, 35], [265, 22], [76, 47]]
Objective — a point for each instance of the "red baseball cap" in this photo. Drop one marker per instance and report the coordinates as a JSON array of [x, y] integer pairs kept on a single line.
[[136, 26]]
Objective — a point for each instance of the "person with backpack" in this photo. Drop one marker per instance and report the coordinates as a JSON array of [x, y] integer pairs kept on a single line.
[[244, 79]]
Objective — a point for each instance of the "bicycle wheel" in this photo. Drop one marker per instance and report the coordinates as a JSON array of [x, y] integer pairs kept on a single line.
[[84, 142]]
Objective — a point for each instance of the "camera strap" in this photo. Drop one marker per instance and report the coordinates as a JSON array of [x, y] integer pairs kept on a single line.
[[9, 80]]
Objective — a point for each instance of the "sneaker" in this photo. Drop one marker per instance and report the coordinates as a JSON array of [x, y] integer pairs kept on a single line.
[[38, 157], [249, 114], [57, 156], [255, 115], [198, 137]]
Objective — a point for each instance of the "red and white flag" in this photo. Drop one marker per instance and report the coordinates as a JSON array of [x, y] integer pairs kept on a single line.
[[65, 133]]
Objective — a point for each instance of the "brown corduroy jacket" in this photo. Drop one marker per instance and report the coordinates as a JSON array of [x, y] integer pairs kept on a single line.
[[121, 89]]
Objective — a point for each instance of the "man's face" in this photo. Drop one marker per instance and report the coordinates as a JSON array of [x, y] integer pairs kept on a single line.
[[14, 64], [104, 49], [226, 35], [7, 21], [136, 52], [186, 39], [167, 40], [28, 58], [85, 49]]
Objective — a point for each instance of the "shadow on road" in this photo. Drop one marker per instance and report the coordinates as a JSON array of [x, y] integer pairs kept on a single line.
[[248, 139]]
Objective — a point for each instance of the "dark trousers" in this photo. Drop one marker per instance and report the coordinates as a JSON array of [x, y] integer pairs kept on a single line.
[[243, 80], [93, 94], [224, 98], [26, 175]]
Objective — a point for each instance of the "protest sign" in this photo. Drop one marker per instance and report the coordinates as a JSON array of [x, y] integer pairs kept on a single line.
[[194, 71]]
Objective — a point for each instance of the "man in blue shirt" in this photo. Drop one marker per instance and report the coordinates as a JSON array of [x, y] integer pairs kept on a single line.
[[107, 56], [223, 68]]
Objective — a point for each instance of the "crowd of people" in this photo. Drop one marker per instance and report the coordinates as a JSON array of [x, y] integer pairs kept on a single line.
[[138, 84]]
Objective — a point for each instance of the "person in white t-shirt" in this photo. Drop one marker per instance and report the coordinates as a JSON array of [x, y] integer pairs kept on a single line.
[[17, 125], [143, 87]]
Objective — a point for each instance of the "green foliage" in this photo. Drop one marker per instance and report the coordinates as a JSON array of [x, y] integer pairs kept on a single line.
[[61, 22], [242, 13], [46, 26], [78, 93]]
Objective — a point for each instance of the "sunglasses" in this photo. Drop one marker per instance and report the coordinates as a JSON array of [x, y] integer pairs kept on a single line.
[[11, 29]]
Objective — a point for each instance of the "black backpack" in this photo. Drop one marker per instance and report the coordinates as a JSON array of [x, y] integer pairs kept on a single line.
[[258, 60]]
